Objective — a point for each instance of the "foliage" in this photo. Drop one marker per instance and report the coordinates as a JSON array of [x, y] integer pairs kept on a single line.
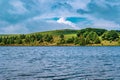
[[88, 30], [62, 40], [70, 40], [80, 41], [48, 38], [62, 36], [110, 35], [77, 41], [92, 38]]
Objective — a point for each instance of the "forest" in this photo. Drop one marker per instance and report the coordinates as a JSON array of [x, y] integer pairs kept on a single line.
[[66, 37]]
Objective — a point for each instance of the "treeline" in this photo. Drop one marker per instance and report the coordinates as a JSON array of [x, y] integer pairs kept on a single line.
[[25, 39], [88, 36], [84, 37], [96, 36]]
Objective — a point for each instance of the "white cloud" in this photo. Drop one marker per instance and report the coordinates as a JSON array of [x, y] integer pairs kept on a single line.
[[62, 20], [17, 7], [13, 29], [101, 23], [77, 4]]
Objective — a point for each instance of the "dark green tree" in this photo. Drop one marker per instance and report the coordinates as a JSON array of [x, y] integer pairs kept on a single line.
[[110, 35], [62, 36], [27, 39], [48, 38], [39, 37], [83, 31], [92, 38], [70, 40], [0, 39], [61, 40], [19, 41], [22, 36]]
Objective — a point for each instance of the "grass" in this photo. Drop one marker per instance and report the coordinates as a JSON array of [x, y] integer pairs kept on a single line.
[[109, 43], [58, 32], [70, 35]]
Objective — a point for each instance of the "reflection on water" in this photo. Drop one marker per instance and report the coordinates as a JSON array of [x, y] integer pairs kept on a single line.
[[59, 63]]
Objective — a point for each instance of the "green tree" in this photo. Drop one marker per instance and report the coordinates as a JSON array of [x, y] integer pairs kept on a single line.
[[19, 41], [0, 39], [110, 35], [99, 32], [10, 40], [61, 40], [39, 37], [82, 41], [70, 40], [27, 39], [92, 38], [32, 38], [85, 34], [4, 40], [22, 36], [48, 38], [77, 41], [81, 32], [62, 36]]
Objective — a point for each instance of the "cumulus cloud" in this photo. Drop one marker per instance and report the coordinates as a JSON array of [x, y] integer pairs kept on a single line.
[[62, 20]]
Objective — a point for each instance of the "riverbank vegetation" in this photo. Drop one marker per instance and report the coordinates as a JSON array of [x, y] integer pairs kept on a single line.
[[67, 37]]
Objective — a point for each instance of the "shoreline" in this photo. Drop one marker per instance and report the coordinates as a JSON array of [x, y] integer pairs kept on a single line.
[[59, 46]]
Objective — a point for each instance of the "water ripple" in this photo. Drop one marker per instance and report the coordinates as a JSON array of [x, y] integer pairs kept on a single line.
[[59, 63]]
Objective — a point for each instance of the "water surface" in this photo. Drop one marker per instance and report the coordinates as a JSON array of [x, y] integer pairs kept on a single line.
[[59, 63]]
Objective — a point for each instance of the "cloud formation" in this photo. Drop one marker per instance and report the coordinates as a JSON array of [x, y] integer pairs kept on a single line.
[[41, 15], [62, 20], [17, 7]]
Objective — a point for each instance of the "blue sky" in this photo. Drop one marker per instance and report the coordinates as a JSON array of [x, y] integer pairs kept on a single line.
[[27, 16]]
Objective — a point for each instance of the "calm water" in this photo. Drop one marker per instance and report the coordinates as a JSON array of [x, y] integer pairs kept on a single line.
[[59, 63]]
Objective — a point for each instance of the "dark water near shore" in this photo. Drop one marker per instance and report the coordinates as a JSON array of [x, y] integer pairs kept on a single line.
[[59, 63]]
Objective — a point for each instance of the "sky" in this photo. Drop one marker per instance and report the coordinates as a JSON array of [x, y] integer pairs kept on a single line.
[[28, 16]]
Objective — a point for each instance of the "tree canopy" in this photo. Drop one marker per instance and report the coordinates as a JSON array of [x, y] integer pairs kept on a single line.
[[110, 35]]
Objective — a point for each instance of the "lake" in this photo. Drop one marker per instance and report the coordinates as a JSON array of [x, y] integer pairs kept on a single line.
[[59, 63]]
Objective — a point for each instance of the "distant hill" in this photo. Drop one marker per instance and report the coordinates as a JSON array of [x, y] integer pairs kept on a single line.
[[70, 31], [58, 32], [64, 31]]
